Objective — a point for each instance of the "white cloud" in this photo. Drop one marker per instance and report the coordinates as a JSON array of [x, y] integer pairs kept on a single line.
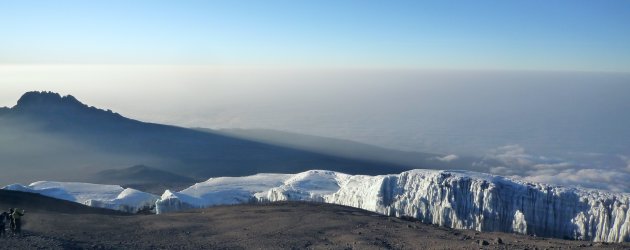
[[447, 158], [590, 178], [514, 161], [559, 165], [513, 155]]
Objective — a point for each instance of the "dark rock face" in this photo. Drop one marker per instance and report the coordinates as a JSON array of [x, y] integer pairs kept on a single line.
[[55, 113], [35, 98], [62, 114], [498, 241], [47, 101]]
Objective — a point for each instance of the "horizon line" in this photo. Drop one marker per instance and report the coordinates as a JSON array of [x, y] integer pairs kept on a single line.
[[311, 67]]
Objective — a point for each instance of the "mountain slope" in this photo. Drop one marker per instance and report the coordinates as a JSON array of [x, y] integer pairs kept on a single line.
[[352, 149], [144, 178], [140, 174], [49, 136], [32, 202]]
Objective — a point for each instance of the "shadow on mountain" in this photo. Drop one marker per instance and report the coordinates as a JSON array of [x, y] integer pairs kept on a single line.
[[38, 203], [144, 178], [351, 149], [47, 136]]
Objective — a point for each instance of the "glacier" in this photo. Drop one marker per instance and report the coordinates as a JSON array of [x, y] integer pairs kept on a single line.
[[95, 195], [456, 199]]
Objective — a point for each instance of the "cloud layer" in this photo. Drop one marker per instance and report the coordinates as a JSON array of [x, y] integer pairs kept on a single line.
[[515, 161]]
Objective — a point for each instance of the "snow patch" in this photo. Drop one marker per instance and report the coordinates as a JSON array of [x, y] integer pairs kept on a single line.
[[95, 195]]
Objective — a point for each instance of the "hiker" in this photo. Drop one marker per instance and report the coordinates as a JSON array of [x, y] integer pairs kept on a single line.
[[11, 224], [4, 217], [16, 217]]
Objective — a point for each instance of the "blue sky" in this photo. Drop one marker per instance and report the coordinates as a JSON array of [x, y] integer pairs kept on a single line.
[[521, 35]]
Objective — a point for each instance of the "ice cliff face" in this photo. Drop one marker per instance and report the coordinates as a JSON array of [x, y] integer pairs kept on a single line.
[[456, 199], [94, 195]]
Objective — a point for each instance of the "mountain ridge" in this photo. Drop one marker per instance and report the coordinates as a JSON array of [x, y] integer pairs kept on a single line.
[[46, 98], [47, 131], [47, 101]]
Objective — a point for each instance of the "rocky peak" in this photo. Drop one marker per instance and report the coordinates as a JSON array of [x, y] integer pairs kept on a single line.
[[51, 104], [47, 100]]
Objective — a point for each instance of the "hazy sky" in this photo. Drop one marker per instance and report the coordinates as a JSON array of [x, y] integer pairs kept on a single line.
[[539, 86], [355, 69], [435, 111], [557, 127], [542, 35]]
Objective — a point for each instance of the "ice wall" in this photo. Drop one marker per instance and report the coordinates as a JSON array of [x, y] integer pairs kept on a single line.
[[456, 199]]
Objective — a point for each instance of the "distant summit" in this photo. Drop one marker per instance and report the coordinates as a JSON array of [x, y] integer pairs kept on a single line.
[[47, 99], [50, 103]]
